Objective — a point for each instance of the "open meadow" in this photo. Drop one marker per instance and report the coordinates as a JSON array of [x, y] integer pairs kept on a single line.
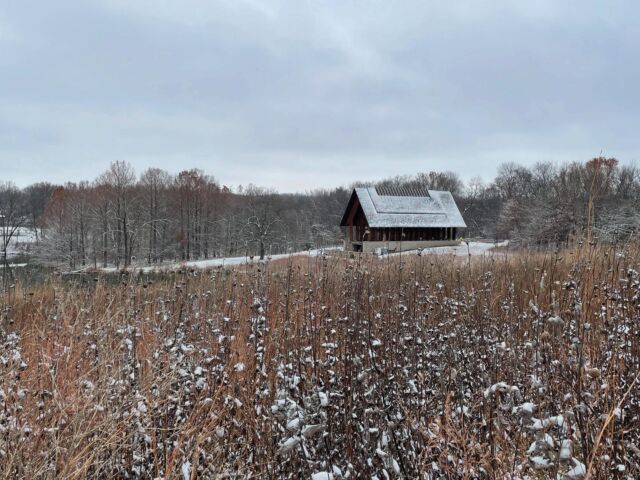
[[521, 366]]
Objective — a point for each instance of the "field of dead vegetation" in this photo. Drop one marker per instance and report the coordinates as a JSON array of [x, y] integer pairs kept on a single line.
[[519, 366]]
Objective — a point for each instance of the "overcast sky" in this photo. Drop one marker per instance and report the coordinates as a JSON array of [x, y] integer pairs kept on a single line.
[[302, 94]]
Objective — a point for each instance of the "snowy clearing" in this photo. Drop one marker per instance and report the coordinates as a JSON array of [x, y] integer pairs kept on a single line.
[[228, 261], [20, 241], [464, 249]]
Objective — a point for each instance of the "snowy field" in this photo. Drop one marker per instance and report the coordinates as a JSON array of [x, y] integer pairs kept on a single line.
[[228, 261], [26, 237], [473, 248], [20, 241], [464, 249]]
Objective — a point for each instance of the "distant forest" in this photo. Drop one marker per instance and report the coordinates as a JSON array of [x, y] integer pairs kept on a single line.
[[122, 217]]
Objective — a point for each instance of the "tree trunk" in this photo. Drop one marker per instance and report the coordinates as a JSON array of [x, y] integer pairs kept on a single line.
[[126, 240]]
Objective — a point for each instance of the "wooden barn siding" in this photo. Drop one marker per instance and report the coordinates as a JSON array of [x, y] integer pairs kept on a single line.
[[356, 221]]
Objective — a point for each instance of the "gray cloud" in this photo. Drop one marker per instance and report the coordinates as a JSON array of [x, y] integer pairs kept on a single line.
[[297, 95]]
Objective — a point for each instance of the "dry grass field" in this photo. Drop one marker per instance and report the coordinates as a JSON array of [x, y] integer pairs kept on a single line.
[[518, 366]]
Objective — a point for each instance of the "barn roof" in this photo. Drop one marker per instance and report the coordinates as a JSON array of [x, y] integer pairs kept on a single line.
[[403, 208]]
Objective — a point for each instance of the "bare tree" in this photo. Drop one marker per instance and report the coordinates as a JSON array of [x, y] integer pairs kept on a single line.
[[196, 203], [627, 182], [155, 183], [119, 180], [58, 243], [262, 217], [36, 197], [600, 172], [12, 219]]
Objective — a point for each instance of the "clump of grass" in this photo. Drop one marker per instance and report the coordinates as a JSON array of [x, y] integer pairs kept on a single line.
[[518, 365]]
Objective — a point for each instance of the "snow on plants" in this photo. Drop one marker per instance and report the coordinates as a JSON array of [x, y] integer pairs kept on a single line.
[[521, 367]]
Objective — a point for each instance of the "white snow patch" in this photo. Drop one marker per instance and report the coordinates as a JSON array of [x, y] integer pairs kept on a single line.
[[322, 476], [464, 249], [289, 445], [578, 471], [186, 470], [228, 261]]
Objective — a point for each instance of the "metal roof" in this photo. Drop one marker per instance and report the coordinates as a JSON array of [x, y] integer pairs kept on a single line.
[[438, 209]]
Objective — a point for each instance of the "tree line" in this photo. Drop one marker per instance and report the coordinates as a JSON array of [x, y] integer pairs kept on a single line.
[[121, 217], [547, 204]]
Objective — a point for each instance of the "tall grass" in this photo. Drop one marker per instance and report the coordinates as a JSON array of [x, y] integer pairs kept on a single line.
[[516, 365]]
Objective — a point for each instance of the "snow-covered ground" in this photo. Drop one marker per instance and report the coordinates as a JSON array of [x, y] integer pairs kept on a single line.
[[14, 265], [228, 261], [20, 241], [473, 248], [464, 249], [216, 262]]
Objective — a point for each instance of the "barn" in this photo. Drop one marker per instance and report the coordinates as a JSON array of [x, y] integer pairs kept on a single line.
[[396, 218]]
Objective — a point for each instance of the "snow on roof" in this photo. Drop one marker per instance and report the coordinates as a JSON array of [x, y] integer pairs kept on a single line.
[[438, 209]]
